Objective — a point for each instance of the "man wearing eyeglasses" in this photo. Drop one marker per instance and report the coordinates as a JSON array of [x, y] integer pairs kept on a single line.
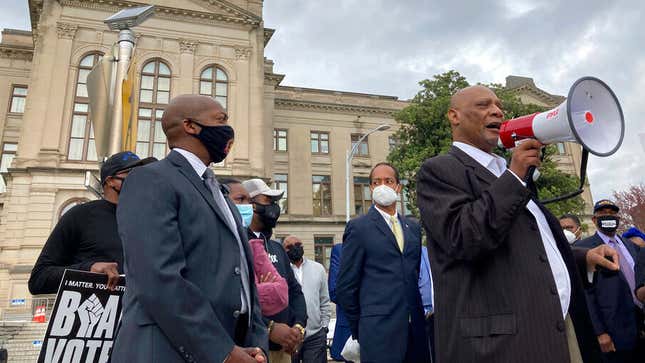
[[86, 237], [312, 277]]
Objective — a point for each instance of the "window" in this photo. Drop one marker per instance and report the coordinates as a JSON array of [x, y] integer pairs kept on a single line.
[[561, 149], [280, 183], [322, 249], [18, 97], [8, 153], [71, 204], [362, 195], [391, 141], [321, 195], [279, 140], [214, 82], [362, 149], [153, 96], [81, 139], [319, 142]]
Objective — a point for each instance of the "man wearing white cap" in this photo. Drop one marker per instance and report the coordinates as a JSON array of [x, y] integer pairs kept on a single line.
[[286, 328]]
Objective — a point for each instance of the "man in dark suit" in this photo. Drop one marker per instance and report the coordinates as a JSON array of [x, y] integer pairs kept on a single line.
[[190, 288], [507, 283], [341, 329], [615, 311], [379, 271]]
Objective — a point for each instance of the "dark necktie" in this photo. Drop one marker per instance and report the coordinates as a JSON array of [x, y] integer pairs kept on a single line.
[[215, 188], [626, 270]]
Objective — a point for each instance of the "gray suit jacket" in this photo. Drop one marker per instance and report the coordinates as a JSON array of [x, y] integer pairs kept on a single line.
[[496, 299], [182, 270]]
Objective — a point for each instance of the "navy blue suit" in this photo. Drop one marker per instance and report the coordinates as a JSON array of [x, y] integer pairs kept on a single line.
[[377, 289], [610, 302], [341, 330]]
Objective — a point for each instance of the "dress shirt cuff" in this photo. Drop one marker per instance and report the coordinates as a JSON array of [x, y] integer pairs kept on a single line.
[[590, 276]]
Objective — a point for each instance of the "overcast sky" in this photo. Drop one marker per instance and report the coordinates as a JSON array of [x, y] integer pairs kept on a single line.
[[387, 47]]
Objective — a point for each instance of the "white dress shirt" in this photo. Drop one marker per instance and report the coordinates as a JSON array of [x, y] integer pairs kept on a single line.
[[497, 165], [387, 217]]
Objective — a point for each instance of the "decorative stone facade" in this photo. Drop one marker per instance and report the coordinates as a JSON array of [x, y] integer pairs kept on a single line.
[[188, 38]]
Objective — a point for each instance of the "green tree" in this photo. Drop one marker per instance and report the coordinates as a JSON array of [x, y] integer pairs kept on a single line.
[[425, 132]]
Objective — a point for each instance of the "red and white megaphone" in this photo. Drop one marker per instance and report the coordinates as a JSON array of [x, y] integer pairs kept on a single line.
[[591, 116]]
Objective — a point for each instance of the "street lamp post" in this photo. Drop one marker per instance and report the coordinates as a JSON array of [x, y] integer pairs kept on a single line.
[[348, 165]]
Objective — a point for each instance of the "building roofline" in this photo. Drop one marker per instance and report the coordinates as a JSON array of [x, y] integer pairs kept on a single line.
[[337, 93]]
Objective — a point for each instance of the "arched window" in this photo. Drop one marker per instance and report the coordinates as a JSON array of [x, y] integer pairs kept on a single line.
[[214, 82], [81, 140], [154, 95], [71, 204]]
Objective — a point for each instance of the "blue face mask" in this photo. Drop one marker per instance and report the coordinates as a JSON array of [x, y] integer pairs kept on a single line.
[[246, 211]]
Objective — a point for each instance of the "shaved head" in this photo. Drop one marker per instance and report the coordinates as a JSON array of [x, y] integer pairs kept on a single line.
[[185, 107], [460, 97]]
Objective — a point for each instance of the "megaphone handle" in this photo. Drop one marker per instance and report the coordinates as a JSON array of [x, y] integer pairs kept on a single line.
[[528, 179]]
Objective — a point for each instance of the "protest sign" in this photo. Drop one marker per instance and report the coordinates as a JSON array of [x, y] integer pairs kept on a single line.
[[84, 321]]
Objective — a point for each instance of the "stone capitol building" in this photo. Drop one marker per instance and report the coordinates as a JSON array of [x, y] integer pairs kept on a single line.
[[295, 137]]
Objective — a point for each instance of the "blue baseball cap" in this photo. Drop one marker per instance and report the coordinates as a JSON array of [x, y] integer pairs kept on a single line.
[[121, 162], [605, 203]]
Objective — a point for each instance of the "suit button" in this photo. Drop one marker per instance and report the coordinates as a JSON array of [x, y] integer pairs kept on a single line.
[[560, 326], [237, 270], [236, 314], [554, 291], [181, 349], [543, 258]]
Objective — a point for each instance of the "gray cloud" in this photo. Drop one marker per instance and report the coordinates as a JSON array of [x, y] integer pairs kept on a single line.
[[386, 47]]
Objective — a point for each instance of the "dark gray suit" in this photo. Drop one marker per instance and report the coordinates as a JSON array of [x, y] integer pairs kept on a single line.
[[182, 270], [496, 298]]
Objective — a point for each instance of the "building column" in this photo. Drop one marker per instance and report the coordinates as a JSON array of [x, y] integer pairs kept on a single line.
[[50, 143], [186, 64]]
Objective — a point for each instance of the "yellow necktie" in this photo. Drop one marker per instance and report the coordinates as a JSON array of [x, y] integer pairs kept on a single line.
[[398, 233]]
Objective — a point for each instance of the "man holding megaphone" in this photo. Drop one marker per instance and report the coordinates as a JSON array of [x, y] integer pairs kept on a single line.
[[508, 286]]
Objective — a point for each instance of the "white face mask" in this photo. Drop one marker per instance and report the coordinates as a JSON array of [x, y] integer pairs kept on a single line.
[[384, 195], [571, 237]]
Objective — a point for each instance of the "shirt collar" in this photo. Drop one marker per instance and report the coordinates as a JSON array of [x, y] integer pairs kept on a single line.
[[487, 160], [386, 215], [194, 161], [605, 238]]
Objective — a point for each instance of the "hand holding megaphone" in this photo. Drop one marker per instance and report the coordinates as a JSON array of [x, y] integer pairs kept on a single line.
[[525, 155], [591, 116]]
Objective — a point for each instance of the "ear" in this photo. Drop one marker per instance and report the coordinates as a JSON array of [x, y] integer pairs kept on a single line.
[[594, 219], [453, 117], [190, 127]]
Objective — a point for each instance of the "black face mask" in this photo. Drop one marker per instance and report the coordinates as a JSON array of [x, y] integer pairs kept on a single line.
[[607, 224], [295, 253], [215, 139], [269, 214]]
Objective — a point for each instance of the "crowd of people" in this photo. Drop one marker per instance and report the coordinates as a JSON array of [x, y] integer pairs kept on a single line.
[[487, 274]]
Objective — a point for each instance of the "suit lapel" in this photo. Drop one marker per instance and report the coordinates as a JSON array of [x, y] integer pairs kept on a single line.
[[187, 170], [382, 226], [481, 172]]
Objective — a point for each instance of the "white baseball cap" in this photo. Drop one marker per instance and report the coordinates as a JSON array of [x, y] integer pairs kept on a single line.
[[258, 186]]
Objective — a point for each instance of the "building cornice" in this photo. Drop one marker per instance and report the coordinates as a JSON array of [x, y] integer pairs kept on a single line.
[[289, 104], [268, 33], [273, 79], [233, 14], [16, 52], [539, 94]]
